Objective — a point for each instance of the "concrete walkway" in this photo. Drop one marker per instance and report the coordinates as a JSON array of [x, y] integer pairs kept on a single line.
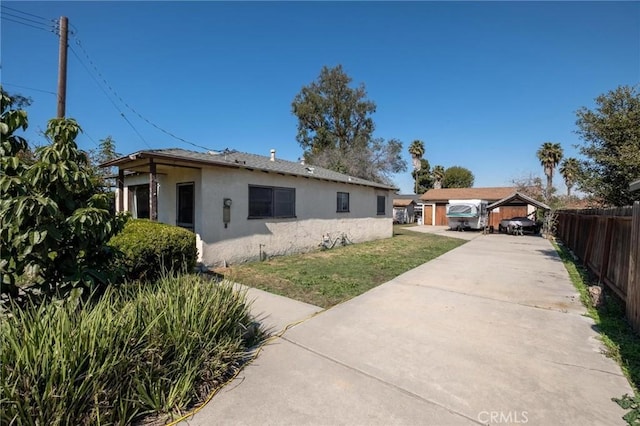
[[445, 231], [492, 332]]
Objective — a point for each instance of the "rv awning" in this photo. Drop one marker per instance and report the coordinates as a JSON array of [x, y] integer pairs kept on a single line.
[[517, 196]]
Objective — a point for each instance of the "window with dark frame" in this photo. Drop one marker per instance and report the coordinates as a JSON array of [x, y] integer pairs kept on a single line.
[[342, 202], [270, 201], [382, 201]]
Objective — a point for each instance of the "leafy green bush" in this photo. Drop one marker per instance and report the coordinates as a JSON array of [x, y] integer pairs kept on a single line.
[[54, 221], [137, 350], [150, 248]]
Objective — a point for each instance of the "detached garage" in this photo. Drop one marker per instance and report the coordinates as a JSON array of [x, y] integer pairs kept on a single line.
[[435, 202], [504, 203]]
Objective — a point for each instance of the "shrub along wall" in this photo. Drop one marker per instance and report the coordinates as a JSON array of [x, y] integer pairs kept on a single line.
[[149, 249]]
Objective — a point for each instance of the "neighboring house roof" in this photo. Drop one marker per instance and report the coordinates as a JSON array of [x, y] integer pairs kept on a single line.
[[414, 197], [635, 185], [446, 194], [235, 159], [517, 196], [399, 202]]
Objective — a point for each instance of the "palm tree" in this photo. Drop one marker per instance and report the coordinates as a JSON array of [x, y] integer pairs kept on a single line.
[[569, 170], [438, 175], [416, 149], [549, 154]]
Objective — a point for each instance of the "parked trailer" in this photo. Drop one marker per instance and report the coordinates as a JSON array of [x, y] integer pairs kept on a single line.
[[467, 214]]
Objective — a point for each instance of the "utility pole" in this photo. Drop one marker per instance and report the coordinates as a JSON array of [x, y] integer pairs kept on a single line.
[[62, 67]]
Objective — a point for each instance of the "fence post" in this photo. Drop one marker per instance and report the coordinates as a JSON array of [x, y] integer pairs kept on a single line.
[[575, 227], [633, 285], [587, 249], [604, 266]]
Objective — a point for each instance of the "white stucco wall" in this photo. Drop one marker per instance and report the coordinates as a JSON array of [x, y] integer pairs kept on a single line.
[[245, 239]]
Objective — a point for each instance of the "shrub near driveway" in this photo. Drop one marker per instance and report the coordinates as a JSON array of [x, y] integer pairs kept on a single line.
[[138, 350], [326, 278]]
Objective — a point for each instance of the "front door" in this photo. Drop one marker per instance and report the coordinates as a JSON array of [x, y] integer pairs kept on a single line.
[[186, 205]]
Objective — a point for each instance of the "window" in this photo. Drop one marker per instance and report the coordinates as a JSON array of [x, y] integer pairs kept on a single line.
[[461, 210], [382, 201], [185, 200], [268, 201], [343, 202], [139, 201]]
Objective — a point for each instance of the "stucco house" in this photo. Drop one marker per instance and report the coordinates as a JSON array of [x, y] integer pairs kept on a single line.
[[246, 207]]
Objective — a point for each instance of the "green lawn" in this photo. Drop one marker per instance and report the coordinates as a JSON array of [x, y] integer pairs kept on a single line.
[[326, 278]]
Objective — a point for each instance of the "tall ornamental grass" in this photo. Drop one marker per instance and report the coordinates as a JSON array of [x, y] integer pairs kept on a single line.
[[138, 350]]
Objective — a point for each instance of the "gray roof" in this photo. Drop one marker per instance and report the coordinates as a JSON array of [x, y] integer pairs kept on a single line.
[[242, 160]]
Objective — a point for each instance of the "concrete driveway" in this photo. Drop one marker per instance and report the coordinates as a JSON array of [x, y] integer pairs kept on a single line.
[[492, 332]]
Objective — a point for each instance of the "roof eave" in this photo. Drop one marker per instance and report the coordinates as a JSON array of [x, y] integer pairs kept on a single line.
[[140, 155]]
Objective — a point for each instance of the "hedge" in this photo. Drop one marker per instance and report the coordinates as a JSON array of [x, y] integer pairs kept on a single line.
[[149, 249]]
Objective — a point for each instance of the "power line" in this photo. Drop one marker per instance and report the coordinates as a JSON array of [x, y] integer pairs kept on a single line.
[[90, 138], [49, 30], [134, 129], [25, 13], [30, 88], [113, 91], [23, 18], [109, 97]]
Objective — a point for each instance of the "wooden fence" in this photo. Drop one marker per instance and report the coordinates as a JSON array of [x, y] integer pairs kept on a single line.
[[607, 241]]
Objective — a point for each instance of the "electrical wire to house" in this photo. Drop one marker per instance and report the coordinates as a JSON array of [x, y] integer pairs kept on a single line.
[[41, 23], [52, 26], [115, 105], [123, 102], [29, 88]]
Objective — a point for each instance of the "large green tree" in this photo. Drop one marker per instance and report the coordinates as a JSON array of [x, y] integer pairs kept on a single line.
[[570, 169], [549, 154], [611, 145], [55, 224], [457, 177], [335, 129]]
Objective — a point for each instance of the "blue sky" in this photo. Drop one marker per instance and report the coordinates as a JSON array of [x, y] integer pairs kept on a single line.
[[483, 84]]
